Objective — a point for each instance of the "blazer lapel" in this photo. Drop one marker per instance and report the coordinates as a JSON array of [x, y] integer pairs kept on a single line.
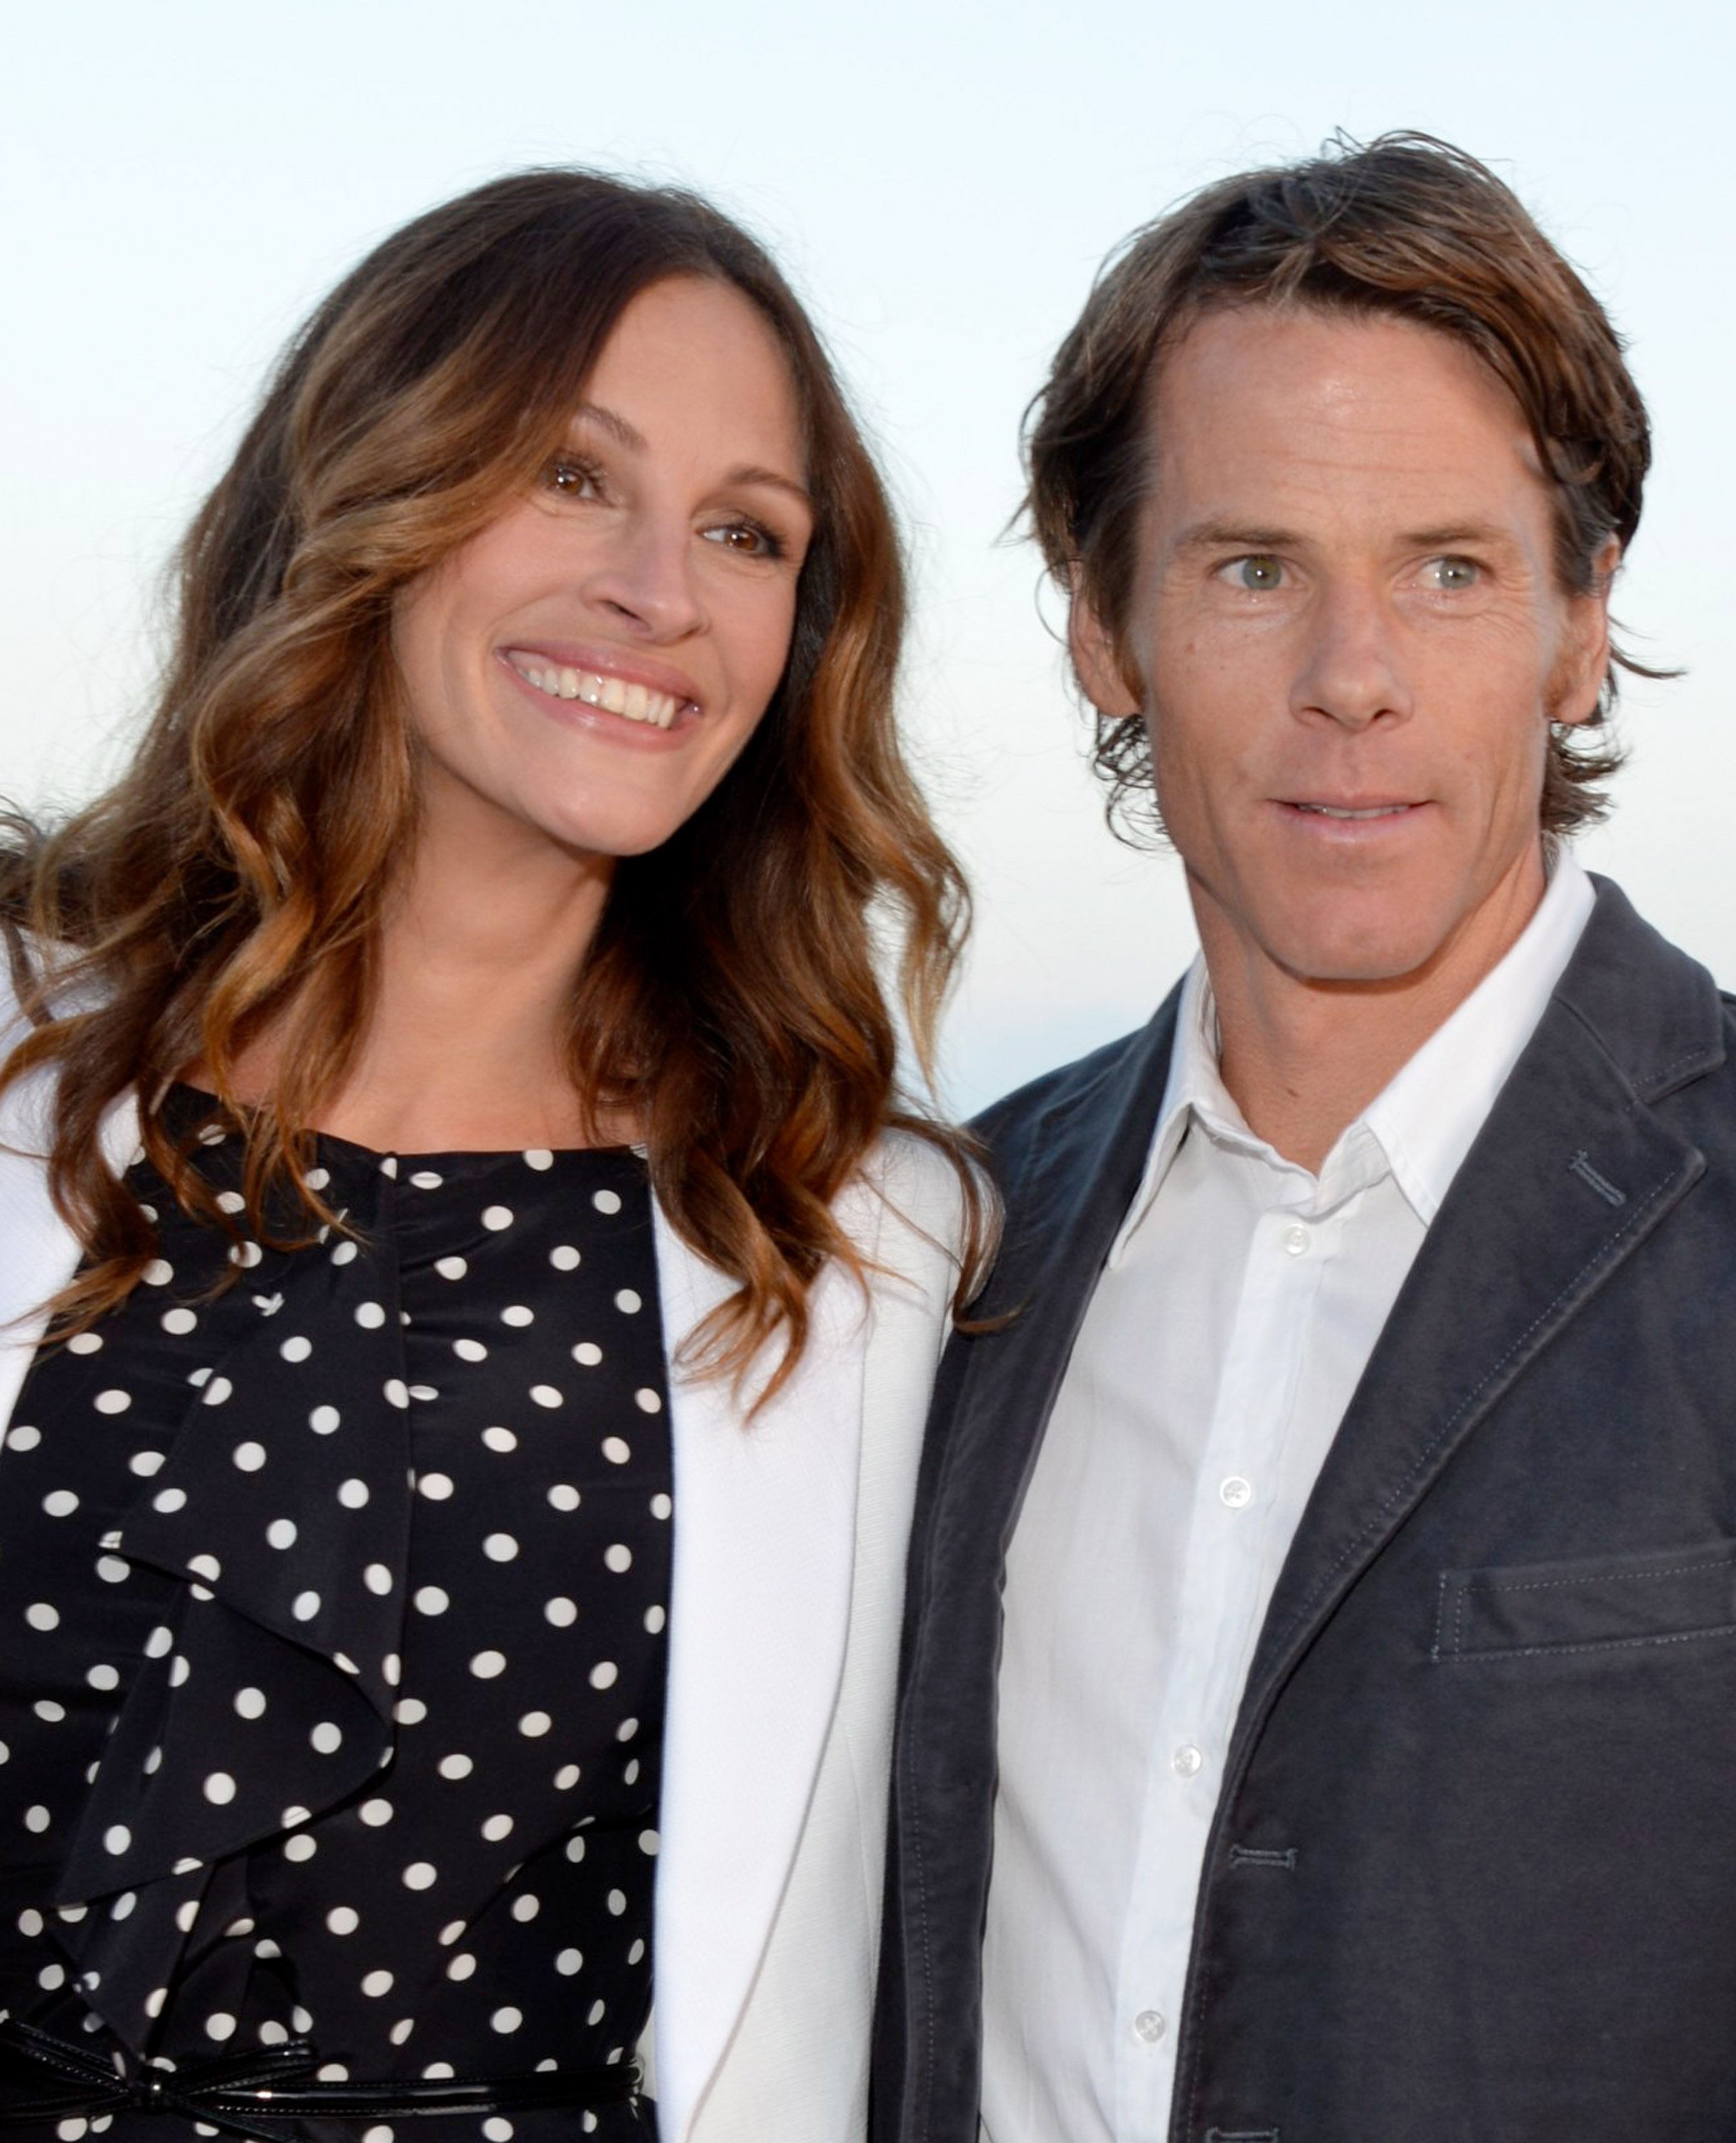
[[1571, 1173], [764, 1547]]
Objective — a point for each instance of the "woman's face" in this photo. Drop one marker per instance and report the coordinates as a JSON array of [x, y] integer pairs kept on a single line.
[[585, 669]]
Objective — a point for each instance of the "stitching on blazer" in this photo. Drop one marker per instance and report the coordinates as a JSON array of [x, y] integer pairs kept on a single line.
[[1598, 1644]]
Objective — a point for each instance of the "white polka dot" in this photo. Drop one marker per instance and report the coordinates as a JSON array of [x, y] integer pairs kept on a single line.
[[112, 1401], [326, 1737], [618, 1557], [569, 1961], [99, 1677], [274, 2034], [563, 1613], [436, 1486], [296, 1348], [500, 1439], [605, 1674], [121, 1909], [564, 1258], [178, 1321], [450, 1932], [113, 1571], [505, 2020], [323, 1419], [647, 1401], [567, 1777], [377, 1579], [424, 1393], [451, 1268], [250, 1702], [595, 2013], [661, 1506], [379, 2133], [397, 1392], [37, 1819], [305, 1606], [46, 1708], [526, 1908], [538, 1157], [250, 1456], [411, 1711], [500, 1548], [352, 1494], [402, 2029], [51, 1976], [169, 1501], [61, 1503], [231, 1201], [461, 1966], [535, 1724], [217, 1391], [159, 1641], [655, 1618], [41, 1616], [431, 1600], [342, 1919], [375, 1813], [486, 1665], [470, 1350], [145, 1463], [606, 1202], [219, 2025], [343, 1252], [31, 1922], [220, 1788], [23, 1438], [648, 1842], [428, 1179], [318, 1178], [455, 1767], [158, 1273], [515, 1315], [496, 1217], [617, 1902], [546, 1395], [206, 1566], [281, 1532], [497, 1828], [370, 1315], [497, 2129], [376, 1983], [616, 1451], [564, 1496], [438, 2069], [246, 1253]]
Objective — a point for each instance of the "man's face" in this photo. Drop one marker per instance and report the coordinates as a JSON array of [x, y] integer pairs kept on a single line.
[[1349, 641]]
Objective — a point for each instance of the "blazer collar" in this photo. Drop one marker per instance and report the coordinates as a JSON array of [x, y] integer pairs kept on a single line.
[[1572, 1171], [764, 1549]]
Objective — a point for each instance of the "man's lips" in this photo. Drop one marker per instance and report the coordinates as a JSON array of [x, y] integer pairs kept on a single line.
[[1361, 811]]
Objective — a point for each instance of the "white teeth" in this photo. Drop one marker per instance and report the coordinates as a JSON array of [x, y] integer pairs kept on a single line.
[[1337, 811], [637, 703]]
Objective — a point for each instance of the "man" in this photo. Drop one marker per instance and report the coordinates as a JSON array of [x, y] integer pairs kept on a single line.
[[1352, 1417]]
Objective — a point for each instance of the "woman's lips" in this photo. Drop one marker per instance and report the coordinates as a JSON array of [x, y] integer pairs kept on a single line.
[[634, 701]]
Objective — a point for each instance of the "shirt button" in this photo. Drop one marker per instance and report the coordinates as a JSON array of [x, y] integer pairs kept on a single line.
[[1186, 1760], [1235, 1492], [1296, 1239], [1150, 2026]]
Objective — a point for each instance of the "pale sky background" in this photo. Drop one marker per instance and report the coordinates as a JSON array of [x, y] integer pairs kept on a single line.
[[184, 180]]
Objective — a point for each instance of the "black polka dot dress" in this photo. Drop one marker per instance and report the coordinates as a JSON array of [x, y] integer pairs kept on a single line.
[[332, 1618]]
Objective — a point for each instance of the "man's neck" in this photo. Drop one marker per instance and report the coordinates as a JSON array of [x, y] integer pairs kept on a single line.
[[1302, 1058]]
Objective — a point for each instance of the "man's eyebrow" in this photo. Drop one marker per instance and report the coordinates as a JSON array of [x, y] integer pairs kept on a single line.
[[629, 436], [1236, 535], [1486, 534]]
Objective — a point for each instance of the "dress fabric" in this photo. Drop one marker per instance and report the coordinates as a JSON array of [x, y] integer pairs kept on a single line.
[[332, 1613]]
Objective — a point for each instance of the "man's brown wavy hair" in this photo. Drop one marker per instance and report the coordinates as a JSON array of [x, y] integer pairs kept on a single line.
[[1408, 227], [233, 879]]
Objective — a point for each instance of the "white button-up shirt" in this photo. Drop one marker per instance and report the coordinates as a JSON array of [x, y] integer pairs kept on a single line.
[[1239, 1306]]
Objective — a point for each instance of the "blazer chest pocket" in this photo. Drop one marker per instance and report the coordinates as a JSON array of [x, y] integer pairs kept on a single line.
[[1609, 1603]]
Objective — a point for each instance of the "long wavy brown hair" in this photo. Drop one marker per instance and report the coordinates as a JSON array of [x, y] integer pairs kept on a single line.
[[233, 881]]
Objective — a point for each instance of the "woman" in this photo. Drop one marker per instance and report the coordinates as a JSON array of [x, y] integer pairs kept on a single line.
[[468, 994]]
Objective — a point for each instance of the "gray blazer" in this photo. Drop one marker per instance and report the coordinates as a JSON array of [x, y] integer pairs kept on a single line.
[[1472, 1878]]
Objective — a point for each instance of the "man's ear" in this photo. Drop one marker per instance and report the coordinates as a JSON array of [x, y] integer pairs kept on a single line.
[[1584, 657], [1096, 659]]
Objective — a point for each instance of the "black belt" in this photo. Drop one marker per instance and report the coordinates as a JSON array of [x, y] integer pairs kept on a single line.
[[44, 2078]]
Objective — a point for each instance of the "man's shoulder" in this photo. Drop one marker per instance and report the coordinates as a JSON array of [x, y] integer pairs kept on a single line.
[[1007, 1127]]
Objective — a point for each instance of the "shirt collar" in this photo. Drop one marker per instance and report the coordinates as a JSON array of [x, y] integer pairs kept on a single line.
[[1428, 1117]]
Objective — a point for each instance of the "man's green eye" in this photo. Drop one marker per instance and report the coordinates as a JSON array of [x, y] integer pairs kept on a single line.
[[1259, 575]]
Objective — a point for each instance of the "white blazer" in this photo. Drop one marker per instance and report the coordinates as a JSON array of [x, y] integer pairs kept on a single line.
[[789, 1543]]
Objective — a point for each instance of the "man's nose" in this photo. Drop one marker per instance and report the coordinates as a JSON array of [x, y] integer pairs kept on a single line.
[[1352, 670], [649, 580]]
